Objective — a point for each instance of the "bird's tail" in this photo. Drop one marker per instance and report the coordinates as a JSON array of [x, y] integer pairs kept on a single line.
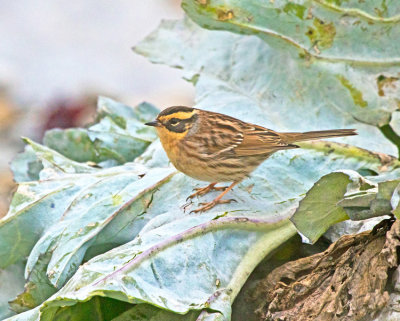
[[298, 137]]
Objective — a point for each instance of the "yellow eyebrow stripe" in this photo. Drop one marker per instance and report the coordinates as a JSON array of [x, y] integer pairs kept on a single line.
[[179, 115]]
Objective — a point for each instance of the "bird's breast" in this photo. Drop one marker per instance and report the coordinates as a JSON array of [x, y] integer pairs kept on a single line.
[[191, 158]]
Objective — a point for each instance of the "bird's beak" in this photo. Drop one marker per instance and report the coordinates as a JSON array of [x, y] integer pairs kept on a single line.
[[153, 123]]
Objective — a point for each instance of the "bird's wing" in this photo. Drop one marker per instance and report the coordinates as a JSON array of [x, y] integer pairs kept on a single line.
[[223, 138], [225, 135], [258, 140]]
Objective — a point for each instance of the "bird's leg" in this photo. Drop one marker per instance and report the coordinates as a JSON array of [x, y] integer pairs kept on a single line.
[[217, 200], [204, 190]]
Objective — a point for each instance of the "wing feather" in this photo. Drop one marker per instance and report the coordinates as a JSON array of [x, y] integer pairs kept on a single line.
[[227, 135], [258, 140]]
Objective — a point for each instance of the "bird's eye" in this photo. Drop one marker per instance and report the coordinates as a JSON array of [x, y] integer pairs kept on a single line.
[[174, 121]]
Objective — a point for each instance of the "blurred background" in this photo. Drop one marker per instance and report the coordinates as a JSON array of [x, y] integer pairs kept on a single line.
[[56, 57]]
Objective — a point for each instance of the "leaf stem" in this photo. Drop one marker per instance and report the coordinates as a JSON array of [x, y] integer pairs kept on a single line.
[[359, 13], [201, 229], [353, 152], [267, 243]]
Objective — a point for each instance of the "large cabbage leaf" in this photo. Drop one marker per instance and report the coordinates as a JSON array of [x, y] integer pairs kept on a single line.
[[352, 31], [247, 78]]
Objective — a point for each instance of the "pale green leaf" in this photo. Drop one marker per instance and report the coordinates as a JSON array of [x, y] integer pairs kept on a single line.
[[57, 163], [160, 266], [118, 136], [104, 197], [352, 31], [271, 88], [318, 210]]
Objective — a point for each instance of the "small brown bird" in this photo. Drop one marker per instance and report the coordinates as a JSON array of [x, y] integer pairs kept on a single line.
[[216, 148]]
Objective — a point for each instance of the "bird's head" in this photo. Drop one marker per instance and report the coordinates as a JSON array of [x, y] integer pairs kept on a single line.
[[175, 122]]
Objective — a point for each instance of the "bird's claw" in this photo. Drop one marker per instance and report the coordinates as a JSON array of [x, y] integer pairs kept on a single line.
[[207, 206], [204, 190]]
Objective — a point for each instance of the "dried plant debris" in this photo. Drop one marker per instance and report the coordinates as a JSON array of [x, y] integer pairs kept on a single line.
[[348, 281]]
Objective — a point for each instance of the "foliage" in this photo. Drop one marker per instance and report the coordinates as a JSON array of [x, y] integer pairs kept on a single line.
[[99, 220]]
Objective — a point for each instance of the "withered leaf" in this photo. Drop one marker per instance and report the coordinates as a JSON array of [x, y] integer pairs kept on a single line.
[[345, 282]]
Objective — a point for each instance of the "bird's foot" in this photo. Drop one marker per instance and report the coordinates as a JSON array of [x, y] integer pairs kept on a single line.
[[204, 190], [210, 205]]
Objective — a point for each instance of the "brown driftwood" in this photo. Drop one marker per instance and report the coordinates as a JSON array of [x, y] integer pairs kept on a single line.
[[345, 282]]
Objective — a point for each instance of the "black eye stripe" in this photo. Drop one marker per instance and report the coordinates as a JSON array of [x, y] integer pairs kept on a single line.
[[174, 121], [182, 125]]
